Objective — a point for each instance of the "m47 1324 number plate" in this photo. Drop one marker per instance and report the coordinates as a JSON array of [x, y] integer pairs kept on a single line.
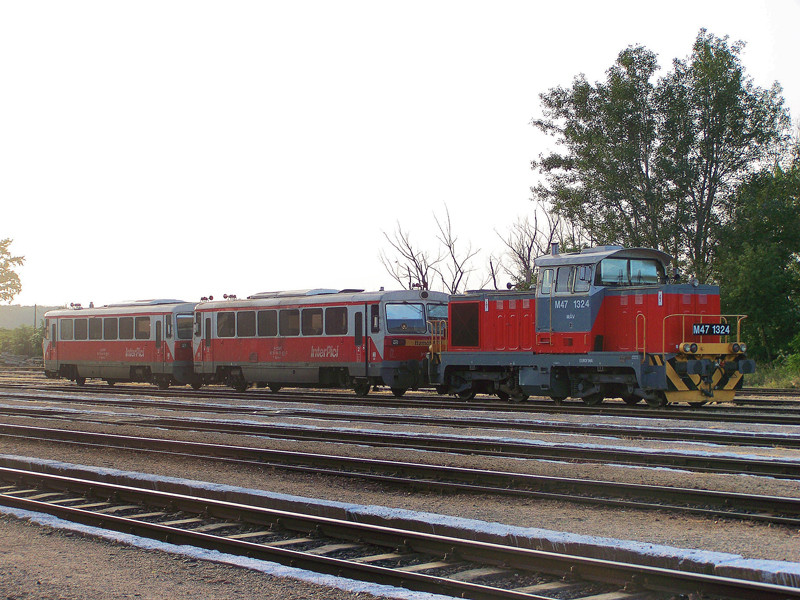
[[711, 329]]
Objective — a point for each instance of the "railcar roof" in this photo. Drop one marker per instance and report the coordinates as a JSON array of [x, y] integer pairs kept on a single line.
[[319, 296], [591, 256], [130, 307]]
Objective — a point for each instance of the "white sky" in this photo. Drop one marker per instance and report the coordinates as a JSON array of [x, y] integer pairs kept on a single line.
[[180, 149]]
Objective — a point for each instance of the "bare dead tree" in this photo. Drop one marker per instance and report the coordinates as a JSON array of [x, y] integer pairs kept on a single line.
[[529, 238], [409, 266], [456, 268]]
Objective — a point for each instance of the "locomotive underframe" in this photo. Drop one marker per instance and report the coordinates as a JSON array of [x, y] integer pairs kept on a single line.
[[632, 376]]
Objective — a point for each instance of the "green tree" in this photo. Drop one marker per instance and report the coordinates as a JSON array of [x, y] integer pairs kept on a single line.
[[758, 261], [654, 163], [10, 284]]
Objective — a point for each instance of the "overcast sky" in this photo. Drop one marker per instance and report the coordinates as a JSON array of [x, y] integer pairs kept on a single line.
[[181, 149]]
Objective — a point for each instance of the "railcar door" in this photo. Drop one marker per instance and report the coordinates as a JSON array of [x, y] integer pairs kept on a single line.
[[361, 341], [160, 357]]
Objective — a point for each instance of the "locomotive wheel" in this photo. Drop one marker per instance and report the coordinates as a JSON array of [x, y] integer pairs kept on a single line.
[[558, 399], [441, 389], [503, 396], [592, 399], [398, 392], [80, 381], [362, 388], [274, 387], [466, 395], [698, 404], [162, 383], [196, 385], [659, 401], [631, 400]]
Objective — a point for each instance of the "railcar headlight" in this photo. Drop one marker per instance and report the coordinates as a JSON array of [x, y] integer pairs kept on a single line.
[[693, 348], [736, 348]]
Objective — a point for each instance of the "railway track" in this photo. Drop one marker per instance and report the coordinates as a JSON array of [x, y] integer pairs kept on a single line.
[[774, 416], [399, 554], [487, 446], [642, 432], [748, 507]]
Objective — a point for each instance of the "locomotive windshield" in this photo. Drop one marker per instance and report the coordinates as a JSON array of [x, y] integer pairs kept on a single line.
[[630, 271], [408, 317]]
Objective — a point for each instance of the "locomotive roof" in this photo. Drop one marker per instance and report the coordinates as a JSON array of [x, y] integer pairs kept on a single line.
[[591, 256], [323, 296]]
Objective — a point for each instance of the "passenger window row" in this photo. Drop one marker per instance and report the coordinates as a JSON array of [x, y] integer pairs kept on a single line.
[[284, 322], [105, 328]]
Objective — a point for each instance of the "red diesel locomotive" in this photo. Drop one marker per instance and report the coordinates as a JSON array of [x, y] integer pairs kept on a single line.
[[317, 338], [146, 341], [602, 323]]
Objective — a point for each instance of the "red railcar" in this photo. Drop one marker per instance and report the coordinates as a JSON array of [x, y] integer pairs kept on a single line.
[[146, 341], [319, 338], [604, 322]]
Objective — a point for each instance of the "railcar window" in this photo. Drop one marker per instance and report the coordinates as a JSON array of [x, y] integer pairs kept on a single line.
[[126, 328], [95, 328], [375, 318], [66, 329], [547, 282], [437, 312], [198, 324], [226, 324], [336, 320], [267, 323], [312, 321], [564, 277], [246, 323], [81, 328], [142, 328], [110, 328], [290, 321], [184, 326], [407, 317]]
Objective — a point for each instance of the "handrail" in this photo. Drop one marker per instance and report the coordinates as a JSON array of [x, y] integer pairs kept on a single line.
[[684, 316], [438, 329], [644, 335]]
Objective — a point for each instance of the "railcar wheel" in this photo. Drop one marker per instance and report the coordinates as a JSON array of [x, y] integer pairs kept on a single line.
[[398, 392], [163, 383], [80, 381], [110, 382], [274, 387], [593, 399], [466, 395], [631, 400], [196, 385], [362, 388]]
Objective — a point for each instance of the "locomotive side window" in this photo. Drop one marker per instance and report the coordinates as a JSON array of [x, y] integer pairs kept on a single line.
[[184, 326], [312, 321], [126, 328], [142, 328], [546, 282], [336, 320], [290, 321], [81, 329], [66, 329], [564, 279], [583, 276], [110, 328], [614, 271], [246, 323], [95, 328], [644, 272], [406, 318], [267, 323], [226, 324]]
